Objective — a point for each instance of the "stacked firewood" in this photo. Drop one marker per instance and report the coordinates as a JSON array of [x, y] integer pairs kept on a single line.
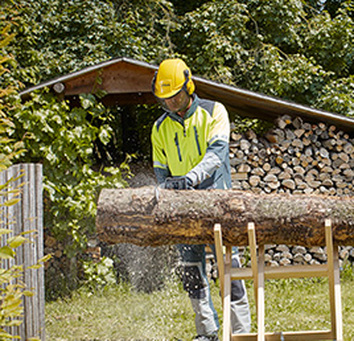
[[284, 255], [294, 157]]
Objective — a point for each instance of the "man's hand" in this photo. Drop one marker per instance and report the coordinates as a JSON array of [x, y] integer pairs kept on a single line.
[[177, 183]]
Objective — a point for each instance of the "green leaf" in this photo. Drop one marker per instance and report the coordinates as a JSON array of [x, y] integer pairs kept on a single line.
[[5, 335], [16, 241], [6, 252], [28, 232], [104, 135], [5, 231], [14, 323], [11, 202], [35, 266], [44, 259], [85, 103]]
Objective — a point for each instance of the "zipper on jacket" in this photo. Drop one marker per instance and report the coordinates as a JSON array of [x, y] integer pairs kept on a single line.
[[178, 147], [197, 140]]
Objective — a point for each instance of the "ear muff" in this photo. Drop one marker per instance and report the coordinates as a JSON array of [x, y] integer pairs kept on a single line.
[[189, 84]]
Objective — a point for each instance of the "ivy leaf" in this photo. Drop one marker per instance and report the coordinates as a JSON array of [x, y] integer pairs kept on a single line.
[[104, 135], [85, 103]]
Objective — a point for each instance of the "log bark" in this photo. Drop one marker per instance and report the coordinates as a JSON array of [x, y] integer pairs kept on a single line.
[[143, 216]]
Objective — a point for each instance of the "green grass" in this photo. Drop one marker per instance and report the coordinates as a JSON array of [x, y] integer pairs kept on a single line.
[[120, 313]]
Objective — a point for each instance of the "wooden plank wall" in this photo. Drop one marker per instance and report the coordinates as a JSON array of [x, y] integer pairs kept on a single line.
[[25, 216]]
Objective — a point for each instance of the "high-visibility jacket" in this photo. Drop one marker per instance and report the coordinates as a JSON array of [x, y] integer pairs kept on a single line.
[[196, 145]]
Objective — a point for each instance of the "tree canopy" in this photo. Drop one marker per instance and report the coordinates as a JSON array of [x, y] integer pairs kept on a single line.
[[301, 50]]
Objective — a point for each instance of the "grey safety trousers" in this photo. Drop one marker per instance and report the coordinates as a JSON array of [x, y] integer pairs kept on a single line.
[[195, 282]]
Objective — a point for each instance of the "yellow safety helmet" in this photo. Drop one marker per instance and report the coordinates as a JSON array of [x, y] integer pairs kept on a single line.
[[173, 76]]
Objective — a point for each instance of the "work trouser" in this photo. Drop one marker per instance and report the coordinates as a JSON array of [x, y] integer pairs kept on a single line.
[[195, 282]]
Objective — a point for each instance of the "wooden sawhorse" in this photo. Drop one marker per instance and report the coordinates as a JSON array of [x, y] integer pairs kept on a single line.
[[259, 273]]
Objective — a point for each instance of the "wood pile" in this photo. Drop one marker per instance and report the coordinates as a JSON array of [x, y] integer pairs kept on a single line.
[[295, 157], [283, 255]]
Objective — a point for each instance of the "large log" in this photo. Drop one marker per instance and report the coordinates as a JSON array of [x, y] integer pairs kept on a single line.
[[143, 216]]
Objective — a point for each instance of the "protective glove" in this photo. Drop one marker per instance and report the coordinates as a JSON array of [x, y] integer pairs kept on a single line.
[[177, 183]]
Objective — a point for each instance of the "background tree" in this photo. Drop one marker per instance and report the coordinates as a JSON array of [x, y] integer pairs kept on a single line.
[[280, 48]]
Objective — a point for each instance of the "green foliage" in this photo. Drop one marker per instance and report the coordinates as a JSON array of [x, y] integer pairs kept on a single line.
[[278, 22], [337, 96], [56, 37], [279, 48], [289, 48], [213, 40], [244, 124], [292, 77], [12, 287], [9, 148], [62, 139], [293, 49], [347, 271], [60, 36], [330, 42], [99, 274]]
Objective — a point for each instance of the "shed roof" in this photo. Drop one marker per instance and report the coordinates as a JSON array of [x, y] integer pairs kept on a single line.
[[128, 81]]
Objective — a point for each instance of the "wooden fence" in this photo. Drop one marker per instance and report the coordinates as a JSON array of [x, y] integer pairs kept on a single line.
[[24, 216]]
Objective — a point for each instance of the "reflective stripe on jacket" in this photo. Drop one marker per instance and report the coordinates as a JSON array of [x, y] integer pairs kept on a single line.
[[196, 145]]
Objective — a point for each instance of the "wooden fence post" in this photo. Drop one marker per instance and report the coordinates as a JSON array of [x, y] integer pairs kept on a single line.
[[27, 215]]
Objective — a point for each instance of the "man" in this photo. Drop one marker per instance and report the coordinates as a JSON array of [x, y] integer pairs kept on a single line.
[[191, 145]]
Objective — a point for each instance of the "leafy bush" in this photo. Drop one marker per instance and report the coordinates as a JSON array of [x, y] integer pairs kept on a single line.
[[12, 288], [59, 136], [99, 274], [62, 139]]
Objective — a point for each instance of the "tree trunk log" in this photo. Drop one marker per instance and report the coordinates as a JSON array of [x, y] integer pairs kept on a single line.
[[144, 217]]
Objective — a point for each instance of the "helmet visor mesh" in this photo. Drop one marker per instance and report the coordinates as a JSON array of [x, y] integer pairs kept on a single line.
[[177, 103]]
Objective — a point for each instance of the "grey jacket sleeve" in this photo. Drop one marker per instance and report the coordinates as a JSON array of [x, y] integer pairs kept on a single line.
[[211, 161]]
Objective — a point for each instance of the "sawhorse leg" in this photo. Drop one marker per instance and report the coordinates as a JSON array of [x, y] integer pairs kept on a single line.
[[334, 284], [224, 269], [259, 273], [258, 279]]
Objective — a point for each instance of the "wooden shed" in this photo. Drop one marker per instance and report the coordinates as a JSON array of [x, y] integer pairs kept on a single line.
[[128, 82]]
